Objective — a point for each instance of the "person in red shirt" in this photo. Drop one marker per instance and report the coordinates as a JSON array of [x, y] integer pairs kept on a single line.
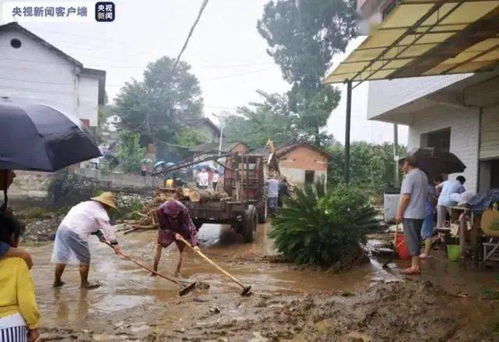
[[174, 219]]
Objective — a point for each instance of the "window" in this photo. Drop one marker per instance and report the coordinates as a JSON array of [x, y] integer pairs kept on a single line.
[[15, 43], [309, 177], [439, 140]]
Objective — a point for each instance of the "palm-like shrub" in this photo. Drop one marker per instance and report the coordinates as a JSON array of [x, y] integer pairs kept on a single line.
[[323, 228]]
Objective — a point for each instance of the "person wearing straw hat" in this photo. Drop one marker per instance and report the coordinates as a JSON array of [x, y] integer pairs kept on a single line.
[[71, 239]]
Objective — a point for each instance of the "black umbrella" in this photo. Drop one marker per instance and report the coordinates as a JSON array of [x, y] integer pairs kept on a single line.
[[436, 163], [39, 137]]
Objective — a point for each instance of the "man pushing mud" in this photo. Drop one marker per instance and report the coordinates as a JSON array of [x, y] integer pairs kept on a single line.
[[71, 240], [174, 220]]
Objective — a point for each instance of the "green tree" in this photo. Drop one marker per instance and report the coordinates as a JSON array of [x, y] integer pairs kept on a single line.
[[303, 36], [256, 123], [189, 137], [371, 165], [161, 105], [129, 151]]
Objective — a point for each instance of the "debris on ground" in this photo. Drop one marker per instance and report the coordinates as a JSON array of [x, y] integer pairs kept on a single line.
[[401, 311]]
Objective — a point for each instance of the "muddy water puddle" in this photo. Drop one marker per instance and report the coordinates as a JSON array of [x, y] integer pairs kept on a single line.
[[130, 303]]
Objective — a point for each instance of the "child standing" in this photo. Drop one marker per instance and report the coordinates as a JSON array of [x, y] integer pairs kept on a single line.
[[19, 315]]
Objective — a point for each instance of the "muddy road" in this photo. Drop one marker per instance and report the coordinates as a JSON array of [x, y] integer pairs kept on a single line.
[[288, 302]]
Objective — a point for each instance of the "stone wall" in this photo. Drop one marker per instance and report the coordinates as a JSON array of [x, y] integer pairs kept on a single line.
[[35, 185]]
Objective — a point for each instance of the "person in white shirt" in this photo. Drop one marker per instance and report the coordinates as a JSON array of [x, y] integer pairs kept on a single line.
[[215, 179], [71, 239], [203, 179]]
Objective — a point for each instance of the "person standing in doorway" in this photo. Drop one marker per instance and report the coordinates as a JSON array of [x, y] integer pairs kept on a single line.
[[272, 194], [411, 210], [71, 239]]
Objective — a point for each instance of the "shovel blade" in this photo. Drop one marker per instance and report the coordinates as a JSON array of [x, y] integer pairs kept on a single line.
[[246, 291], [185, 290]]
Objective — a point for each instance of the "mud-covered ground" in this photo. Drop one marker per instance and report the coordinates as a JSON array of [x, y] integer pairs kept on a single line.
[[292, 303]]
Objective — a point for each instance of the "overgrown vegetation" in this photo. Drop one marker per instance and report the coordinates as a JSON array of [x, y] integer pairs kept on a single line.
[[67, 189], [372, 165], [162, 105], [129, 151], [323, 227]]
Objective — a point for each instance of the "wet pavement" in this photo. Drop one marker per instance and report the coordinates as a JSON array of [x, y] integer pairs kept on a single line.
[[133, 302]]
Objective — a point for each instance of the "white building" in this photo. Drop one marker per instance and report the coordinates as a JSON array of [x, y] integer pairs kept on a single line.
[[456, 113], [33, 69]]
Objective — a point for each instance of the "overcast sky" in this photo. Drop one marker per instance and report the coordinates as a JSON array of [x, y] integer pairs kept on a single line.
[[226, 53]]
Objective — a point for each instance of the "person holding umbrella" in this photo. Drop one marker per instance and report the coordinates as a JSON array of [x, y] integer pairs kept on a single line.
[[7, 250], [411, 210], [19, 314], [71, 239]]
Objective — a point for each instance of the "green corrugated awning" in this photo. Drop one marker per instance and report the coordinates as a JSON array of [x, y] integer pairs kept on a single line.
[[424, 38]]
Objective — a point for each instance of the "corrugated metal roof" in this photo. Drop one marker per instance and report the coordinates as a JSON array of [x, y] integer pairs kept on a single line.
[[427, 37]]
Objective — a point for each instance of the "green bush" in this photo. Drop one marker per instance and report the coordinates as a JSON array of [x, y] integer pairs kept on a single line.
[[323, 228]]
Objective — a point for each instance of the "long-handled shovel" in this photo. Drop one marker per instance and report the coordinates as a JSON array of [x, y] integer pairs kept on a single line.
[[246, 289], [185, 289]]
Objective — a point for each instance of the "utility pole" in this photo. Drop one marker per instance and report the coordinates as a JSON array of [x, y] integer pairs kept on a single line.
[[347, 132], [395, 154]]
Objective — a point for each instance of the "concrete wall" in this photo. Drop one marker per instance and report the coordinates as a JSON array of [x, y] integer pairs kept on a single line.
[[37, 73], [88, 99], [121, 182], [464, 139], [297, 176], [386, 95], [34, 185]]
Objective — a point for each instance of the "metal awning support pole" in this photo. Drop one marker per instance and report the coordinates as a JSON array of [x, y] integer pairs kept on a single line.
[[395, 154], [347, 132]]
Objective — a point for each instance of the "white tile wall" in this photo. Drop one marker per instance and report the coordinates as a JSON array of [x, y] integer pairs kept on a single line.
[[464, 139]]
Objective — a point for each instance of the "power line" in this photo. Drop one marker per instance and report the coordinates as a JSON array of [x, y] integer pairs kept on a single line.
[[193, 27]]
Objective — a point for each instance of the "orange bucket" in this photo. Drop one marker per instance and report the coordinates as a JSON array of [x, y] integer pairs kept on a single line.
[[401, 247]]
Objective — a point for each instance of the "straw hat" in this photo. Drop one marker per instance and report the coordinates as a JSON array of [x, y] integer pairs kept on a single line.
[[106, 198]]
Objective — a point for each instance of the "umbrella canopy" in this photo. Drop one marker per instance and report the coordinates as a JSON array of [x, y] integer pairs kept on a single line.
[[39, 137], [436, 163]]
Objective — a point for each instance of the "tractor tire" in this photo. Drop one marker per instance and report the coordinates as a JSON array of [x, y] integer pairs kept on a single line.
[[263, 213], [197, 223], [249, 224]]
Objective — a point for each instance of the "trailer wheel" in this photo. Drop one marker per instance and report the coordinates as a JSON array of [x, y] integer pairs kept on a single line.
[[249, 224], [263, 213], [197, 223]]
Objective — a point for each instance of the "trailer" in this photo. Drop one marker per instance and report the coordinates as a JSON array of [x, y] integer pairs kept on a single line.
[[246, 206]]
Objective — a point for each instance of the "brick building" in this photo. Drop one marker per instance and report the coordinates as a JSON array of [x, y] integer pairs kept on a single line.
[[302, 163]]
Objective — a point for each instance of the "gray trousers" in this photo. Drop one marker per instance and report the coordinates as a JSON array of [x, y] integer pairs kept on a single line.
[[412, 235]]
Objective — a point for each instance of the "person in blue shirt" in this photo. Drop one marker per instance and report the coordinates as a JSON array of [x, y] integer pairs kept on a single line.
[[448, 188]]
